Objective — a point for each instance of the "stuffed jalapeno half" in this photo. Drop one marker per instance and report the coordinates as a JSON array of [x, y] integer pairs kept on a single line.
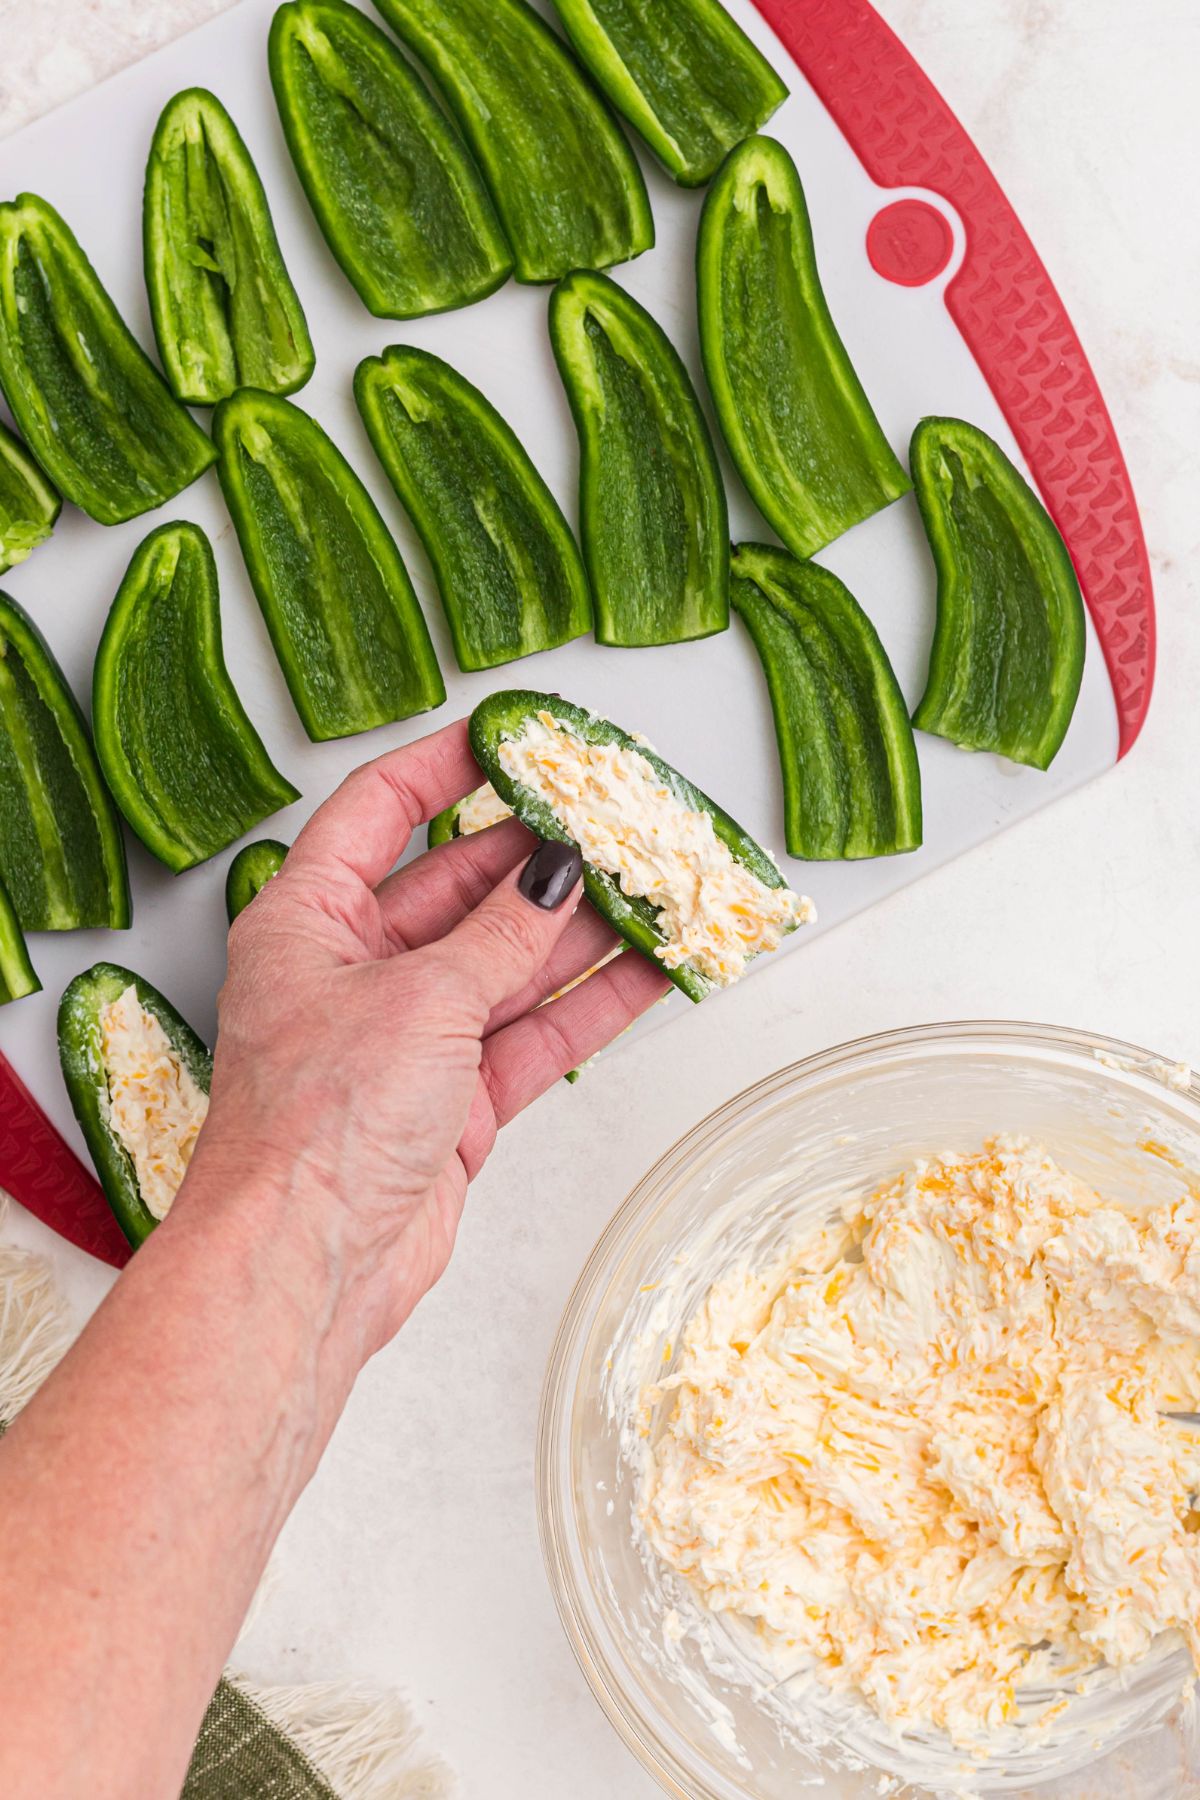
[[653, 516], [62, 857], [672, 873], [138, 1078], [18, 978], [249, 872], [508, 568], [178, 751], [1008, 650], [686, 77], [90, 404], [347, 629], [851, 780], [224, 309], [395, 190], [566, 184], [29, 505], [792, 410]]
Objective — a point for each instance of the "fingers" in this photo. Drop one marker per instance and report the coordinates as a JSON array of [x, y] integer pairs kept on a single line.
[[424, 901], [586, 942], [529, 1056], [365, 826], [496, 950]]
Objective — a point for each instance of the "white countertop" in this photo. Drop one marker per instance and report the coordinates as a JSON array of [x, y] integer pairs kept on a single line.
[[413, 1558]]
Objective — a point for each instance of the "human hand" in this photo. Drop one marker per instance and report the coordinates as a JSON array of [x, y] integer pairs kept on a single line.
[[377, 1029]]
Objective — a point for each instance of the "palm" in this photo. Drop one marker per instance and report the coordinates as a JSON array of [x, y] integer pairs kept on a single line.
[[430, 1015]]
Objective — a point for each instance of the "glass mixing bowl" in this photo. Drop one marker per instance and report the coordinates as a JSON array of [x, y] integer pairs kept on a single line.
[[740, 1187]]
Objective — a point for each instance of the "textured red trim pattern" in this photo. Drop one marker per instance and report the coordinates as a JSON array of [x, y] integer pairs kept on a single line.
[[1009, 314], [40, 1170]]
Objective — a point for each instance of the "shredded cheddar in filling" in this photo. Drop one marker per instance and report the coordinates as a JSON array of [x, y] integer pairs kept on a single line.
[[929, 1456], [480, 810], [715, 915], [155, 1108]]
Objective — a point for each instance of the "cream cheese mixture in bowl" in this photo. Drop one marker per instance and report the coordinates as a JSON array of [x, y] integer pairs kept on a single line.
[[828, 1207]]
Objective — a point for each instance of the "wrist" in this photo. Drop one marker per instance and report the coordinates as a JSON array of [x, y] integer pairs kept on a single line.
[[359, 1251], [245, 1232]]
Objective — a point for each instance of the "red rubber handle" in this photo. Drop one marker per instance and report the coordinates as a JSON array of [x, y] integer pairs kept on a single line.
[[1009, 314], [39, 1169]]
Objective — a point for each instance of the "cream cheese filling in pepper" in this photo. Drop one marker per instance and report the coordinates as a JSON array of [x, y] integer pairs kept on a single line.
[[155, 1108], [479, 812], [927, 1456], [714, 914]]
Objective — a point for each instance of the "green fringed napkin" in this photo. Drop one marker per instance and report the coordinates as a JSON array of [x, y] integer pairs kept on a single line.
[[240, 1752]]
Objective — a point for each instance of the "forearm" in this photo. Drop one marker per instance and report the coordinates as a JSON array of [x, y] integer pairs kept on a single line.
[[142, 1490]]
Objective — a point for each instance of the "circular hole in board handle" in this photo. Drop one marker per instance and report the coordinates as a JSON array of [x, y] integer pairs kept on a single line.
[[909, 243]]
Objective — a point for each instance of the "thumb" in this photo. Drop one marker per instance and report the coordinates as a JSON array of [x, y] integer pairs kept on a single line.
[[498, 948]]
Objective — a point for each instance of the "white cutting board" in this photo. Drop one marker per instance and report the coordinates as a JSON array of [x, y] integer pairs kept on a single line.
[[704, 706]]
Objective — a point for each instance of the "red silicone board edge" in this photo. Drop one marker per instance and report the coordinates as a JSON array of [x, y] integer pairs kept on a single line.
[[1009, 313], [40, 1170]]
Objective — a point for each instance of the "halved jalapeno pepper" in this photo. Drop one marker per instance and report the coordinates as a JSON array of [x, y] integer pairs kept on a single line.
[[29, 505], [1008, 650], [225, 312], [851, 780], [686, 77], [17, 974], [395, 191], [178, 750], [62, 857], [340, 608], [505, 717], [249, 872], [793, 412], [567, 186], [653, 517], [92, 407], [85, 1030], [507, 566]]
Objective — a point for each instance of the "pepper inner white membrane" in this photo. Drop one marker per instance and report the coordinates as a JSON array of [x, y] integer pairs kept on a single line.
[[714, 913], [155, 1108], [928, 1455]]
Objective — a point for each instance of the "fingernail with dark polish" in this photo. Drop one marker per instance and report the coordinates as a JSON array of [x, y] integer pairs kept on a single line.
[[551, 873]]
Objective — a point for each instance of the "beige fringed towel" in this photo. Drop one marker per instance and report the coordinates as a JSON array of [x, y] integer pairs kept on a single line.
[[331, 1741]]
